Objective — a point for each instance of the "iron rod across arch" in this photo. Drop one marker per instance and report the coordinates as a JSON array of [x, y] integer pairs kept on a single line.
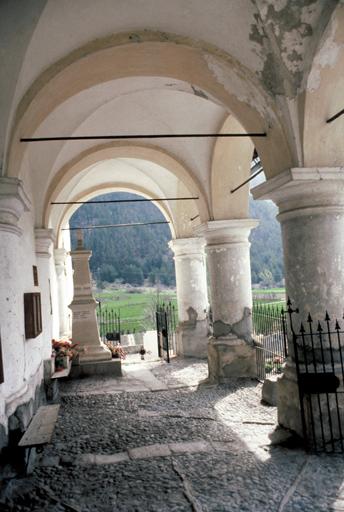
[[117, 225], [142, 136], [139, 200]]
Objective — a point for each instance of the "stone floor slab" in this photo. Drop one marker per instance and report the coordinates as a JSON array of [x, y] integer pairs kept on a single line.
[[190, 447], [146, 452], [111, 459]]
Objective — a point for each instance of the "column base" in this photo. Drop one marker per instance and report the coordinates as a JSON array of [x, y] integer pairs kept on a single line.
[[94, 353], [288, 402], [230, 357], [192, 339]]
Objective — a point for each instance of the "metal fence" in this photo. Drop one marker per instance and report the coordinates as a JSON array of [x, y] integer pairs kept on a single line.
[[166, 324], [319, 359], [269, 334], [109, 324]]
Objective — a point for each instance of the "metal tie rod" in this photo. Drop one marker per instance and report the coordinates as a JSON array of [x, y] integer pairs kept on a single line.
[[143, 136], [247, 181], [333, 118], [139, 200], [117, 225]]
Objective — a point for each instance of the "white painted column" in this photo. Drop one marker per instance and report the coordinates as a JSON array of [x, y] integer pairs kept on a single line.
[[13, 204], [230, 352], [44, 241], [84, 325], [192, 296], [60, 256], [311, 213]]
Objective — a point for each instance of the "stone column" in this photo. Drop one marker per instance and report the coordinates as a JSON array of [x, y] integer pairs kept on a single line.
[[311, 213], [84, 326], [60, 256], [192, 296], [230, 350], [44, 240]]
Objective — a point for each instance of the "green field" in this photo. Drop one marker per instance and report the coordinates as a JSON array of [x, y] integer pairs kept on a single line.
[[137, 308], [266, 291]]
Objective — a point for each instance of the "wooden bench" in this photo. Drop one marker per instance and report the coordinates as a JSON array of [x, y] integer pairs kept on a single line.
[[39, 431]]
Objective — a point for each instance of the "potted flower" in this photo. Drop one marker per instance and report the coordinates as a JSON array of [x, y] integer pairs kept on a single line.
[[117, 351], [64, 351]]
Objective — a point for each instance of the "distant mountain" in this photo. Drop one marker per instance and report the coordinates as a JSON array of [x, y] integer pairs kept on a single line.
[[266, 244], [130, 254], [135, 254]]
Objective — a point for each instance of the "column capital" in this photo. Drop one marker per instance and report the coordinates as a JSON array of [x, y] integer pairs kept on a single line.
[[13, 203], [60, 255], [226, 231], [44, 239], [187, 247], [305, 191]]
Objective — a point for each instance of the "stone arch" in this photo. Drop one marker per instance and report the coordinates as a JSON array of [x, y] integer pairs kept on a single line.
[[105, 189], [117, 150], [323, 142], [230, 167], [212, 72]]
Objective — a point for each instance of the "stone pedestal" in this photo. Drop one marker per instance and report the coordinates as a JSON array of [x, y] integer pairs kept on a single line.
[[311, 213], [230, 357], [192, 296], [230, 350], [84, 327]]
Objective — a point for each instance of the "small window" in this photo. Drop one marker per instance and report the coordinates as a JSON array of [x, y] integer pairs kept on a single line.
[[33, 314]]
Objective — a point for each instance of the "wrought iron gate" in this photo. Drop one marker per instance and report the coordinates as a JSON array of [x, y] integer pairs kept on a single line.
[[319, 357], [109, 323], [269, 335], [166, 321]]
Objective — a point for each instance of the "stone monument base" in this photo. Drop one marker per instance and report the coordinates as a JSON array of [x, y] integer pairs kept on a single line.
[[94, 353], [230, 357], [85, 369]]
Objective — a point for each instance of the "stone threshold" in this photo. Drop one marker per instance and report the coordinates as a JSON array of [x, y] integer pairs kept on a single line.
[[147, 452]]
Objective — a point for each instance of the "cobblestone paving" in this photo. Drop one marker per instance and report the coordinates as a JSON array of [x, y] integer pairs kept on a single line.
[[202, 449]]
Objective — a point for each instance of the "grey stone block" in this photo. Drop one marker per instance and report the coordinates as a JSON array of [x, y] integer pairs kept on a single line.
[[111, 367], [269, 390]]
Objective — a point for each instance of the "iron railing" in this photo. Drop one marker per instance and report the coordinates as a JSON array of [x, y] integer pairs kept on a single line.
[[166, 324], [269, 335], [109, 324], [319, 360]]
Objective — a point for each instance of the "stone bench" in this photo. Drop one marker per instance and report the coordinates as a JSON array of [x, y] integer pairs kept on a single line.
[[38, 433]]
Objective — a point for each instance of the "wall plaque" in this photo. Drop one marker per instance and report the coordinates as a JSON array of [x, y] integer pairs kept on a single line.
[[33, 314]]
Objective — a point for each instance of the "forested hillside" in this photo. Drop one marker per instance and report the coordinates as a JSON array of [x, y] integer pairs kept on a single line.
[[266, 244], [133, 254]]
